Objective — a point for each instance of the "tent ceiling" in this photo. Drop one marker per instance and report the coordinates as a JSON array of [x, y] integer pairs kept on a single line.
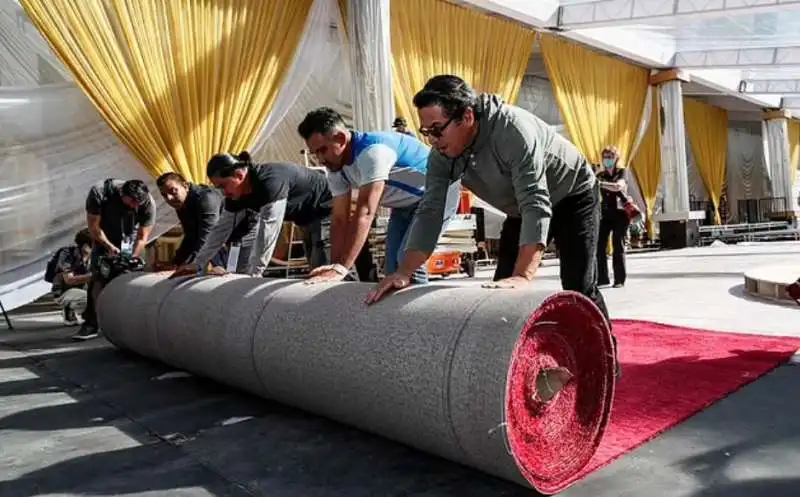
[[758, 40], [606, 13], [736, 47]]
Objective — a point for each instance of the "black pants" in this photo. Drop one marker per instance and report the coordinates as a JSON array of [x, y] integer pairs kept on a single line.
[[95, 286], [574, 228], [614, 223]]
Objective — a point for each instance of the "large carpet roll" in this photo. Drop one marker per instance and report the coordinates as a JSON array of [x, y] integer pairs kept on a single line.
[[514, 383]]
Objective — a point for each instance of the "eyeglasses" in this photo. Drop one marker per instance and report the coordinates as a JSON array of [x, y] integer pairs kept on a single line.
[[436, 131]]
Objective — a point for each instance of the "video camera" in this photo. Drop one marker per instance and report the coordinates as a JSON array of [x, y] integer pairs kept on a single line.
[[111, 266]]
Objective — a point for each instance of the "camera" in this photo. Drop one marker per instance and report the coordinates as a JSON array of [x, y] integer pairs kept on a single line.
[[111, 266]]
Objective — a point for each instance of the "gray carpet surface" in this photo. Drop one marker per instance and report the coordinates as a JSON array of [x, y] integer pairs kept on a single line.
[[427, 367]]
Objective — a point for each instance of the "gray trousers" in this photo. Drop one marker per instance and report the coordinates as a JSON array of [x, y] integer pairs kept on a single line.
[[74, 298]]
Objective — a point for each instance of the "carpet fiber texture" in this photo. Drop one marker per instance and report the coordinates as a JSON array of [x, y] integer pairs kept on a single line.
[[515, 383], [670, 373]]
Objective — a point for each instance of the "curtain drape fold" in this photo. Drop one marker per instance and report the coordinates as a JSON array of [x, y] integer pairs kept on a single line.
[[370, 49], [431, 37], [176, 81], [317, 53], [646, 162], [707, 129], [794, 149], [601, 98], [328, 83]]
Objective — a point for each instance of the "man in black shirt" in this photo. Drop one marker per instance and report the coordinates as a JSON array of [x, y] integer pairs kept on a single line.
[[278, 192], [198, 209], [120, 215]]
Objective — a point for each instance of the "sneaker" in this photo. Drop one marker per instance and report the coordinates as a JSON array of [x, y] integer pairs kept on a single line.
[[86, 332], [619, 285], [70, 317]]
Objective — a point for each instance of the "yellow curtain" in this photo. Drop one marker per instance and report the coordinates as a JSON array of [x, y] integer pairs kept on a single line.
[[794, 147], [601, 98], [647, 161], [707, 129], [177, 80], [343, 12], [431, 37]]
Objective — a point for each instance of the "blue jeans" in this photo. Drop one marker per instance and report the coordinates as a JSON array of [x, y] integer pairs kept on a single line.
[[396, 237], [399, 227]]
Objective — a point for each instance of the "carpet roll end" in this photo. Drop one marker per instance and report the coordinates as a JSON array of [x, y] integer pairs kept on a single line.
[[559, 391]]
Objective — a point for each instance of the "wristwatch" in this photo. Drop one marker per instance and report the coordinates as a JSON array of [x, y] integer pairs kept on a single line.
[[340, 269]]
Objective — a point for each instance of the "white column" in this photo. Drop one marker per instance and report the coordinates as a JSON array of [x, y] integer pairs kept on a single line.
[[778, 158], [369, 40], [674, 169]]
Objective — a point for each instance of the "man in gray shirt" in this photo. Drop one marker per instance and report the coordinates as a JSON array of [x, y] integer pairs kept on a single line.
[[514, 161]]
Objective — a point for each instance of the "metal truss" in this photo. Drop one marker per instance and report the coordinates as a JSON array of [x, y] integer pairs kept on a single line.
[[770, 86], [621, 12], [791, 103], [746, 58]]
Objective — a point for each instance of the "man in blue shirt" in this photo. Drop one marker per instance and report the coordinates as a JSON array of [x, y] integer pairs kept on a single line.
[[388, 169]]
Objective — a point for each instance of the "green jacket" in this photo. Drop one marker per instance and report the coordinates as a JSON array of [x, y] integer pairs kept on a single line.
[[517, 163]]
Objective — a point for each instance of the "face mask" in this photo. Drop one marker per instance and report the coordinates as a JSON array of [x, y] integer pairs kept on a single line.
[[609, 163]]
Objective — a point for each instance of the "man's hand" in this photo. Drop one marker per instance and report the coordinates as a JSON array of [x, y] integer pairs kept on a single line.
[[158, 267], [513, 282], [321, 269], [390, 283], [329, 275], [186, 270], [112, 250], [217, 271]]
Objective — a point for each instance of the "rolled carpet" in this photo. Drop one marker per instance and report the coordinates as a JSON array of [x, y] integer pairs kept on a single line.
[[514, 383]]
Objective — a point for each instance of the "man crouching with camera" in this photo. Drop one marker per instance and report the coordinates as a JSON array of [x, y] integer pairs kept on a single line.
[[120, 215]]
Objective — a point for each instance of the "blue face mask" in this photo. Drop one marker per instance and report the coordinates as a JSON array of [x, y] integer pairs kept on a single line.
[[609, 163]]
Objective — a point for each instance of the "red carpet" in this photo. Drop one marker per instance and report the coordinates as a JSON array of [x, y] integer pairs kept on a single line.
[[670, 373]]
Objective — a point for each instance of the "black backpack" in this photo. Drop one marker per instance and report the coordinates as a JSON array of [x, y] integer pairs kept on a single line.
[[50, 271]]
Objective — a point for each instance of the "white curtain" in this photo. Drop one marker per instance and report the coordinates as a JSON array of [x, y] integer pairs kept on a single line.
[[327, 83], [369, 39], [697, 189], [536, 96], [675, 197], [25, 57], [747, 174], [54, 146], [796, 192], [778, 157], [317, 55]]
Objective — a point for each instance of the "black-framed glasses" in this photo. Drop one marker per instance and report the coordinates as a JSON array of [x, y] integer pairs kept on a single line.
[[436, 131]]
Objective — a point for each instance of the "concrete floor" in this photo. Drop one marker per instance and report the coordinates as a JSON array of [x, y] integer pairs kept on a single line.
[[88, 420]]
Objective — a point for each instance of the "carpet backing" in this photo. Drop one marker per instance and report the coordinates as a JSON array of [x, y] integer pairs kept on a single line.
[[460, 372]]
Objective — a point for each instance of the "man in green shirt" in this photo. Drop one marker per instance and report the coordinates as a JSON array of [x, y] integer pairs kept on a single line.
[[514, 161]]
